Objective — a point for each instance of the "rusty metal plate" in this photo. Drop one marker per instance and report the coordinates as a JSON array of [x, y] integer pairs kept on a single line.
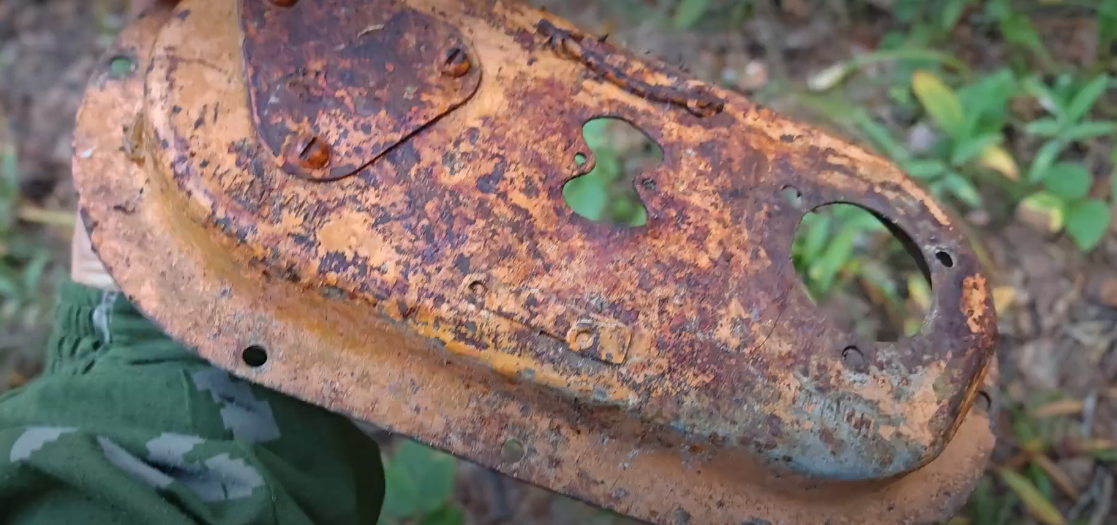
[[675, 372], [351, 79]]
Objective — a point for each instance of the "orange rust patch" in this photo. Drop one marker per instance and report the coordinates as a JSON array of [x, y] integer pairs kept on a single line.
[[974, 302]]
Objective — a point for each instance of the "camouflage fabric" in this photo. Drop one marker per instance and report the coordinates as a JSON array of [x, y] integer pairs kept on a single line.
[[127, 426]]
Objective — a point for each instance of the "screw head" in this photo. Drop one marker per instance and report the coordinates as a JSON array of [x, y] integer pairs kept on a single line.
[[457, 63], [309, 152]]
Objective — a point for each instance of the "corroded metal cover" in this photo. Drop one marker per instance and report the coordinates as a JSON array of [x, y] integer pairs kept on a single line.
[[412, 262], [360, 76]]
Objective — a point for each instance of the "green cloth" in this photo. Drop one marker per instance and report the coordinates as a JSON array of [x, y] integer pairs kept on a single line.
[[127, 426]]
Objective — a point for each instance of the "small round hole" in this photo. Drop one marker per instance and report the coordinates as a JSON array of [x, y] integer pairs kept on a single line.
[[983, 401], [478, 289], [121, 66], [945, 259], [254, 356], [793, 196], [852, 357], [512, 451], [580, 159]]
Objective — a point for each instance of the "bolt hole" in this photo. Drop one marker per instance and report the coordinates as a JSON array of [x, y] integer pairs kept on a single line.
[[512, 451], [583, 338], [121, 66], [793, 196], [580, 159], [945, 259], [852, 357], [607, 193], [254, 356], [983, 401], [478, 289]]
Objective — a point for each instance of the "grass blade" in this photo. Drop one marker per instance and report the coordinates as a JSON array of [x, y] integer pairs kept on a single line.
[[1037, 505]]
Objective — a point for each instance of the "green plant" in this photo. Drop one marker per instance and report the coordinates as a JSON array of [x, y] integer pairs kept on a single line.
[[418, 484], [1066, 186], [971, 121], [1016, 28], [606, 193], [23, 261], [841, 244], [1068, 105]]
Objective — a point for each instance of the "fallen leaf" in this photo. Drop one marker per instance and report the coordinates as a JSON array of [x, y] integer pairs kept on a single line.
[[1041, 211], [1062, 407], [997, 159], [1058, 477], [829, 77], [1004, 297]]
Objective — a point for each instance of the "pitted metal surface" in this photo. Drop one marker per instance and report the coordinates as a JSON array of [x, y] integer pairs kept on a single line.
[[433, 281], [357, 78]]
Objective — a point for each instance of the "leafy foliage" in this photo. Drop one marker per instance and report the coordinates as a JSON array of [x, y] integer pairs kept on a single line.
[[24, 261], [419, 482], [607, 193]]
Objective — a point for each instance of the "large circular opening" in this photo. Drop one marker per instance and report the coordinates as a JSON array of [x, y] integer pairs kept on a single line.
[[862, 271]]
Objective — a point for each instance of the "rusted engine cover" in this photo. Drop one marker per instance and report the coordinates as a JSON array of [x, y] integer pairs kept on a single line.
[[382, 215]]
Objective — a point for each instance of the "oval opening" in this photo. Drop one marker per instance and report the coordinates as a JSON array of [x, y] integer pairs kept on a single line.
[[862, 271]]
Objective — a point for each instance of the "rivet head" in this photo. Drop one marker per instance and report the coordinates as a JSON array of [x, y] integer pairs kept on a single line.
[[282, 3], [457, 63], [309, 152]]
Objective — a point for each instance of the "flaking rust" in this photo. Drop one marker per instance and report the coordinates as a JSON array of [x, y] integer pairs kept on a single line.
[[371, 192]]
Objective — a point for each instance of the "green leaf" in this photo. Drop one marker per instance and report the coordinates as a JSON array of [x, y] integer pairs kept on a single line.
[[818, 232], [1017, 29], [1040, 480], [963, 189], [431, 471], [1047, 210], [1044, 127], [1085, 98], [9, 283], [689, 12], [446, 515], [1033, 500], [1068, 180], [951, 12], [1046, 98], [923, 169], [400, 493], [969, 149], [33, 272], [1087, 223], [587, 195], [940, 102], [1044, 158], [880, 136], [1107, 23], [1088, 130], [837, 254], [1113, 176]]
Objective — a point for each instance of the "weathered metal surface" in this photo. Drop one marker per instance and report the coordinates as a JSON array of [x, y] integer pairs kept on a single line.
[[355, 79], [675, 372]]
